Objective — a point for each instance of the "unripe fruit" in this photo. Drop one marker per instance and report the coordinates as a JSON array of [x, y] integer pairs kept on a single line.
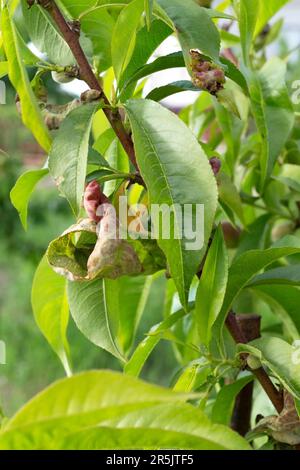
[[62, 77], [253, 362]]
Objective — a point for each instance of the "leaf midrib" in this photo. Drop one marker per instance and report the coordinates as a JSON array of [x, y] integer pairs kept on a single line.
[[147, 137]]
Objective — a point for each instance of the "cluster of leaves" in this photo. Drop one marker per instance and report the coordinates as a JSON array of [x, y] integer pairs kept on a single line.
[[249, 261]]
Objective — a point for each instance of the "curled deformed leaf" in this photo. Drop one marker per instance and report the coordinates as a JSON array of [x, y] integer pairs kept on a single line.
[[68, 254], [150, 255], [284, 428], [80, 254], [112, 256], [112, 259]]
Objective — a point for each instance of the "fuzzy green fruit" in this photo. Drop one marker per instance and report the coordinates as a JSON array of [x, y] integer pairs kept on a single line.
[[253, 362], [62, 77]]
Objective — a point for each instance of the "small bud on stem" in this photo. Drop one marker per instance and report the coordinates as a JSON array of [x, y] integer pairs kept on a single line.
[[215, 164]]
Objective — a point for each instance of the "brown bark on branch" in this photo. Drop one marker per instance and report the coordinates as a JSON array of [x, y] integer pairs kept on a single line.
[[261, 375], [86, 73], [241, 416]]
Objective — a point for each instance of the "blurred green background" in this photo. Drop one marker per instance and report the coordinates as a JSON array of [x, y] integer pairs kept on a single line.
[[30, 363]]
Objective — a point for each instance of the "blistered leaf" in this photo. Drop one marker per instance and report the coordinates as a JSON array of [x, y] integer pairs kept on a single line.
[[112, 259], [283, 428], [68, 254]]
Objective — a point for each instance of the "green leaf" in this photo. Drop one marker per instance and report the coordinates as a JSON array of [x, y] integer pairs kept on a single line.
[[176, 171], [116, 158], [256, 235], [144, 349], [235, 74], [27, 55], [219, 14], [290, 176], [272, 110], [193, 376], [45, 35], [77, 8], [146, 43], [51, 311], [229, 196], [3, 69], [224, 404], [289, 275], [231, 128], [212, 287], [98, 26], [194, 27], [31, 114], [164, 426], [22, 190], [104, 140], [247, 22], [246, 266], [161, 63], [69, 152], [284, 301], [162, 92], [124, 36], [280, 357], [91, 315], [113, 411], [266, 11], [126, 298], [148, 10]]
